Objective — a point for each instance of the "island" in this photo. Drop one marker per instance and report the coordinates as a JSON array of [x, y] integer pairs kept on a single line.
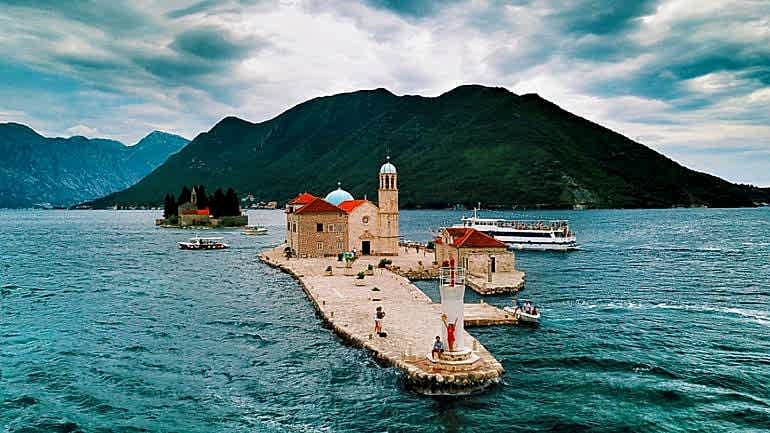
[[194, 208]]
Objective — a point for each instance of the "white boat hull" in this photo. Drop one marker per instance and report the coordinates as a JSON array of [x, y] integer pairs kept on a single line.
[[194, 246], [523, 317], [526, 234], [539, 246], [254, 232]]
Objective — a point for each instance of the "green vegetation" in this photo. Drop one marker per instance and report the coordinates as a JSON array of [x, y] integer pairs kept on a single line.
[[169, 206], [220, 205], [360, 275], [384, 263], [472, 144]]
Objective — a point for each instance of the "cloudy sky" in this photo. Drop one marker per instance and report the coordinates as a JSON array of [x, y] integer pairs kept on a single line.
[[690, 78]]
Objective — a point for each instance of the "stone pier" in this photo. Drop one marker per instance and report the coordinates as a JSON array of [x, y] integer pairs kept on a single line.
[[412, 320], [500, 283]]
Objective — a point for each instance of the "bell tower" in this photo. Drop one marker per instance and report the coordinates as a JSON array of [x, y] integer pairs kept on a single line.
[[388, 210]]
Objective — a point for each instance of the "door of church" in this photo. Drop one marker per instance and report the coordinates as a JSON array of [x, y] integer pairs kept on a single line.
[[366, 247]]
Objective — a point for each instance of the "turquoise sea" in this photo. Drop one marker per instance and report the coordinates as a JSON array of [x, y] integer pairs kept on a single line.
[[661, 322]]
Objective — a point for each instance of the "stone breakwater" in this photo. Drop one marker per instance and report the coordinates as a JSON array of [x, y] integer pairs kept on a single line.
[[347, 304]]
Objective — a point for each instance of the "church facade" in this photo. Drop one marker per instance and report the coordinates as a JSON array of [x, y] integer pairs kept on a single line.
[[318, 227]]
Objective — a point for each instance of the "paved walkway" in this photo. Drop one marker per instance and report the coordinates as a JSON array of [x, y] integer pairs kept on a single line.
[[412, 321]]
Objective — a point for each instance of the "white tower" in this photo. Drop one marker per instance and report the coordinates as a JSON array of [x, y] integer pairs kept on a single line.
[[388, 210], [452, 288]]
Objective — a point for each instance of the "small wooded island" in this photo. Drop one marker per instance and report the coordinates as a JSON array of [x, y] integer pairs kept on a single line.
[[194, 208]]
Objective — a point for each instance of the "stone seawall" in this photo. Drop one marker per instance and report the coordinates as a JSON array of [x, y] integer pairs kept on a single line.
[[411, 323]]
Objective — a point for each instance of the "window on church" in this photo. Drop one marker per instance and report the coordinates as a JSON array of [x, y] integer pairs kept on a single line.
[[339, 245], [294, 227], [340, 228], [365, 219], [319, 246], [330, 228], [319, 227]]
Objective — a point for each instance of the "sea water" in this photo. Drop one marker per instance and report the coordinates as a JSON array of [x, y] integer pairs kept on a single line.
[[660, 322]]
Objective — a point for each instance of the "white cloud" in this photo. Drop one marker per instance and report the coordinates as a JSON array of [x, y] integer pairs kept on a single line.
[[85, 131], [133, 80]]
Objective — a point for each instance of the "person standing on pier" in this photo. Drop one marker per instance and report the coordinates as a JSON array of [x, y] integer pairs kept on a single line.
[[450, 332], [379, 315]]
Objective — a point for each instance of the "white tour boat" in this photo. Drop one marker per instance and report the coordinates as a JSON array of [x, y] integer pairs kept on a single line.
[[525, 234], [255, 230], [524, 311], [199, 243]]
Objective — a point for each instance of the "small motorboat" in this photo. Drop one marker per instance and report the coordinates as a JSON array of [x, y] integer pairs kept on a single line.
[[199, 243], [255, 230], [524, 311]]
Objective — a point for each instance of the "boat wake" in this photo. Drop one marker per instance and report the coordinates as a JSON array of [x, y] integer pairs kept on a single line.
[[759, 317]]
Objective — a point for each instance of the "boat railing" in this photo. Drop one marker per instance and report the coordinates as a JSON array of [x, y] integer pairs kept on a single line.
[[519, 224]]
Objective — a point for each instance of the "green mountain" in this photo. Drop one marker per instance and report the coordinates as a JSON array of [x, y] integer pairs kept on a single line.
[[471, 144], [36, 170]]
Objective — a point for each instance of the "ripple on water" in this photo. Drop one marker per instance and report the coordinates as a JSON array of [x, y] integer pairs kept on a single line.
[[650, 327]]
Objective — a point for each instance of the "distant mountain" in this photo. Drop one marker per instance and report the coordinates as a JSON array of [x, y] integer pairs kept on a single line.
[[472, 144], [64, 171]]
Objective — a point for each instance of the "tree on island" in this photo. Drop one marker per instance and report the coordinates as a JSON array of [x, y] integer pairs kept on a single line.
[[185, 196], [233, 205], [224, 204], [216, 205], [169, 206], [203, 200]]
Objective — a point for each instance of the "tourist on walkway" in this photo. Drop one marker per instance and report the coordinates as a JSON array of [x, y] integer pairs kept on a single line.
[[379, 315], [450, 332], [438, 348]]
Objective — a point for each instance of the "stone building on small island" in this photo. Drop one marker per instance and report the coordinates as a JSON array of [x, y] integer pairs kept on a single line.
[[318, 227], [490, 267], [195, 209], [190, 215]]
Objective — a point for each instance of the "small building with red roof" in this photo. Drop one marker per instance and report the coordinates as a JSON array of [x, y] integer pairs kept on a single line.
[[363, 226], [479, 253], [316, 228]]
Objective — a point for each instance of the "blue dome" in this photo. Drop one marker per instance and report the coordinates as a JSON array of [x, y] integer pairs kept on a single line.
[[388, 168], [338, 196]]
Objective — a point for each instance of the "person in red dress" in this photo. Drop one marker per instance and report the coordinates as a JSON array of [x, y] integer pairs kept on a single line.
[[450, 332]]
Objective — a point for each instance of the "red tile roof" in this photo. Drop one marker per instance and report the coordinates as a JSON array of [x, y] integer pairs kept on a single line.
[[349, 205], [303, 198], [456, 232], [466, 237], [319, 205]]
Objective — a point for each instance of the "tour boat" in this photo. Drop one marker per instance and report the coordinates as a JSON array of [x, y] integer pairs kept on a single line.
[[199, 243], [525, 234], [525, 311], [255, 230]]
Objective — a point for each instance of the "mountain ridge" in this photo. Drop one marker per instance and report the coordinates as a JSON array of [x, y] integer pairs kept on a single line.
[[62, 171], [470, 144]]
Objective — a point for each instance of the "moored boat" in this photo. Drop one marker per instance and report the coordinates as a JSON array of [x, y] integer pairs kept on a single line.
[[255, 230], [525, 234], [199, 243], [525, 311]]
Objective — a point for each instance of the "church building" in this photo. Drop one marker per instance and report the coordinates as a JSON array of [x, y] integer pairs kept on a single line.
[[317, 227]]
